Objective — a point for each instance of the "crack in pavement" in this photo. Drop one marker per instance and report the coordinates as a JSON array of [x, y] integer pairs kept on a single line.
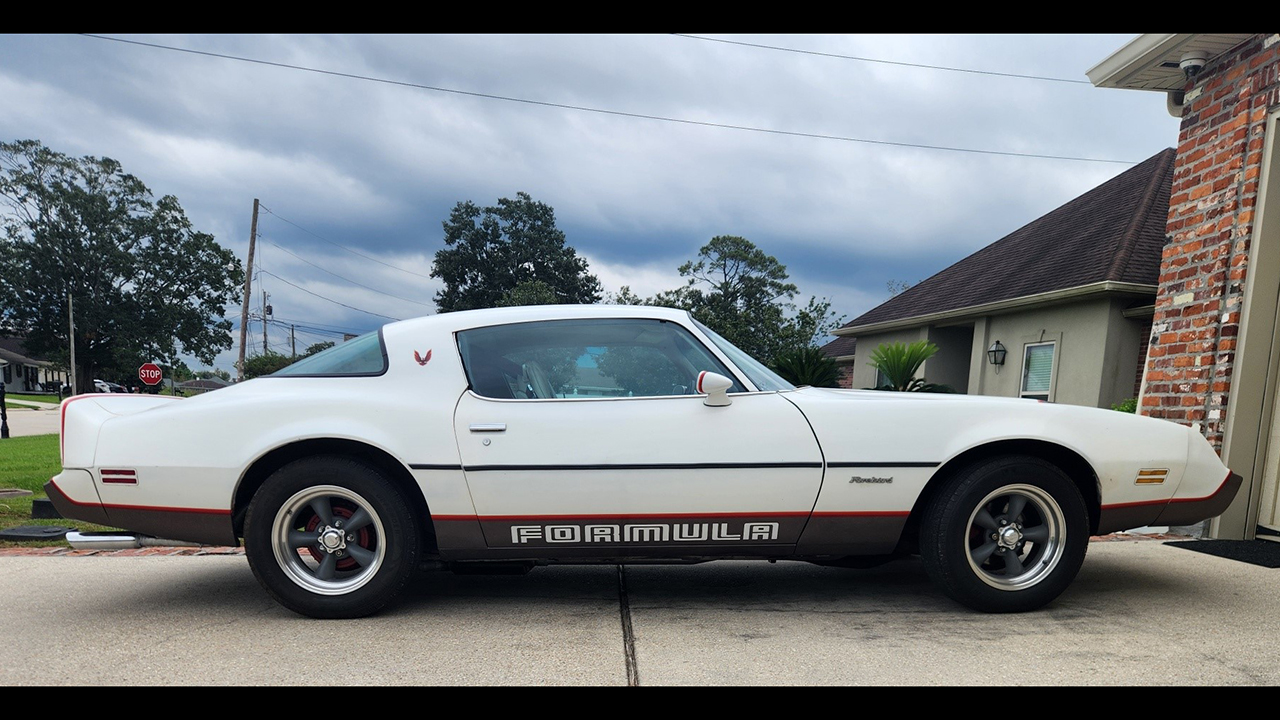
[[628, 634]]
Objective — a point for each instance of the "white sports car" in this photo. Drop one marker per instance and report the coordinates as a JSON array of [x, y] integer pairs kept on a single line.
[[595, 434]]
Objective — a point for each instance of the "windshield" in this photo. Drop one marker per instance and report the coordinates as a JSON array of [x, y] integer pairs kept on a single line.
[[761, 376], [359, 356]]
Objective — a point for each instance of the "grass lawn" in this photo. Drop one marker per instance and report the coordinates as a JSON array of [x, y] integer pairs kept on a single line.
[[37, 398], [28, 463]]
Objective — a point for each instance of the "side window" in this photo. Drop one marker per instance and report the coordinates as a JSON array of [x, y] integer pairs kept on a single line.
[[585, 359], [1037, 370]]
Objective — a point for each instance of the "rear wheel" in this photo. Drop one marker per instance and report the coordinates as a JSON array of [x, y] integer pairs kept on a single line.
[[1007, 534], [331, 537]]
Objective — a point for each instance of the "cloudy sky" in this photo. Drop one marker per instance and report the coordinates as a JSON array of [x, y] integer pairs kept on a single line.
[[376, 167]]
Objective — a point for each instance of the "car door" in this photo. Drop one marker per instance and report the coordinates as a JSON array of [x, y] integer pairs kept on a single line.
[[587, 438]]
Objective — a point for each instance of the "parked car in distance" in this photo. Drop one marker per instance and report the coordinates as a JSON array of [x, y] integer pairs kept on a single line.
[[597, 434]]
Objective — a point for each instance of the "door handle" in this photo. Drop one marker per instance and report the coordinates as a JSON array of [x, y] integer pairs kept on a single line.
[[488, 427]]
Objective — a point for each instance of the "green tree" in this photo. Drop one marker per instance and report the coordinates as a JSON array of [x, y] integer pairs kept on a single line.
[[625, 297], [492, 250], [898, 363], [897, 287], [317, 347], [807, 366], [529, 292], [145, 284], [741, 292], [265, 364], [214, 373]]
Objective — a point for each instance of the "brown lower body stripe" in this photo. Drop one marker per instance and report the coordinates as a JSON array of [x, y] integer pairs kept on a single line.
[[671, 534]]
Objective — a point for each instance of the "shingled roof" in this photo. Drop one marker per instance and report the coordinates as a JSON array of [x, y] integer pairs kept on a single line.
[[841, 347], [1115, 232]]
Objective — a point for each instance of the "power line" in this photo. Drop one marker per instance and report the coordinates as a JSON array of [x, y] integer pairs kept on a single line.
[[603, 111], [882, 62], [353, 282], [299, 332], [344, 247], [311, 328], [340, 328], [335, 302]]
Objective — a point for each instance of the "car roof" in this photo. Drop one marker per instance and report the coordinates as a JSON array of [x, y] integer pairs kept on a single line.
[[466, 319]]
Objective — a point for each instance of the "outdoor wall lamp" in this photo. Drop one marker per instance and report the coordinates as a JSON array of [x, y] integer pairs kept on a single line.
[[996, 355]]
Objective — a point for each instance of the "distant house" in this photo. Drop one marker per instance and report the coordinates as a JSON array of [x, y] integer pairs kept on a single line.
[[25, 372], [842, 350], [1068, 297], [196, 387]]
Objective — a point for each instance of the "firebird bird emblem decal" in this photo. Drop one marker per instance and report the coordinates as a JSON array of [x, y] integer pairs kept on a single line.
[[420, 359]]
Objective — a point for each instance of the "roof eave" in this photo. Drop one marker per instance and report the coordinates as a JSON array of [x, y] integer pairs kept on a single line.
[[1052, 297], [1151, 61], [1138, 52]]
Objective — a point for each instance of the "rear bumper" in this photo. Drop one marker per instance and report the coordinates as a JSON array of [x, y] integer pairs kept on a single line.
[[89, 512], [206, 527], [1176, 511]]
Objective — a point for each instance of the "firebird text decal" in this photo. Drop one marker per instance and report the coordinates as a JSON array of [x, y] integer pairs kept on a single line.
[[644, 533], [870, 480], [420, 359]]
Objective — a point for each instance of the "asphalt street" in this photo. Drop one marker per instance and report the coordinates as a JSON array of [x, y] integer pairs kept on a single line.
[[1140, 613], [32, 422]]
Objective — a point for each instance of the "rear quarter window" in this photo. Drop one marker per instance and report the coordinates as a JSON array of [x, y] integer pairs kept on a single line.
[[362, 356]]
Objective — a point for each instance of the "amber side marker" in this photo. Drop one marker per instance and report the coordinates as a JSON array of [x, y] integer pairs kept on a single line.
[[1151, 476]]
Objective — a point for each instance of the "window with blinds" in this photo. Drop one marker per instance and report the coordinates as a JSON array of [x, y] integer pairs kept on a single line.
[[1037, 370]]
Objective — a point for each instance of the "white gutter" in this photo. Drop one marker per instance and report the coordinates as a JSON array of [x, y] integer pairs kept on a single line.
[[1045, 298]]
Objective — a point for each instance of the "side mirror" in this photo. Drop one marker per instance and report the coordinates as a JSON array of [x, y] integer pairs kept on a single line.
[[716, 387]]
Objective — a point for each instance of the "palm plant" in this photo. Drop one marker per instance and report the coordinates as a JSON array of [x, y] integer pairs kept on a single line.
[[807, 366], [898, 364]]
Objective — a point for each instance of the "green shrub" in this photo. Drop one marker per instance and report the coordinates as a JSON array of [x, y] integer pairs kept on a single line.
[[1129, 406], [807, 366]]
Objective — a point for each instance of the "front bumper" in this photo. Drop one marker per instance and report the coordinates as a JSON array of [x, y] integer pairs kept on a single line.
[[1175, 511], [1187, 511]]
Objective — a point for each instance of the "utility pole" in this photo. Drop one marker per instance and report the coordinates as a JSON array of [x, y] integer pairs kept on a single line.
[[248, 278], [266, 310], [71, 324], [293, 343]]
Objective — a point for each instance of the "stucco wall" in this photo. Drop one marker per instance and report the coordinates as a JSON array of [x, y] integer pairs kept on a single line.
[[1096, 353], [1080, 331], [864, 376], [950, 366]]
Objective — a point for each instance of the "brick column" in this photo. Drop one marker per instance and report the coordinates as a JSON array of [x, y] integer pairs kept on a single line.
[[1205, 260]]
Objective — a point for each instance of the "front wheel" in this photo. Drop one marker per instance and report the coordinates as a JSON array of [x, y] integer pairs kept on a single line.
[[1005, 535], [331, 537]]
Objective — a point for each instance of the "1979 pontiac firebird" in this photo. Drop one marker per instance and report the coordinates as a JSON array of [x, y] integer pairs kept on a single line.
[[574, 434]]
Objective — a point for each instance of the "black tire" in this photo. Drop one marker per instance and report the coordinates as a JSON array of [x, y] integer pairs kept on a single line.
[[342, 572], [982, 562]]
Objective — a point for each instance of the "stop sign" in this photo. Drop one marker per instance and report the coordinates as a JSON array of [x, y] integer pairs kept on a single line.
[[150, 374]]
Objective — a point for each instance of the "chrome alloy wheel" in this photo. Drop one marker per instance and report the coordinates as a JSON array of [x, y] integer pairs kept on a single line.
[[1016, 537], [328, 540]]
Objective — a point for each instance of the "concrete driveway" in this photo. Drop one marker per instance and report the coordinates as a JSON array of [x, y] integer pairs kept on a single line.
[[1140, 613]]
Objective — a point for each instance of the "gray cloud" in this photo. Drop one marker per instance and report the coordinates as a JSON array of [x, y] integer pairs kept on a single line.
[[378, 167]]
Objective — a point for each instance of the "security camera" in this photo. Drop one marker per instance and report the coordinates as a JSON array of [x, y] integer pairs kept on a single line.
[[1192, 63]]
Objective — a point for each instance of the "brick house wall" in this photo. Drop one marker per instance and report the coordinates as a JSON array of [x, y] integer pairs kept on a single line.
[[1211, 213], [846, 375]]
